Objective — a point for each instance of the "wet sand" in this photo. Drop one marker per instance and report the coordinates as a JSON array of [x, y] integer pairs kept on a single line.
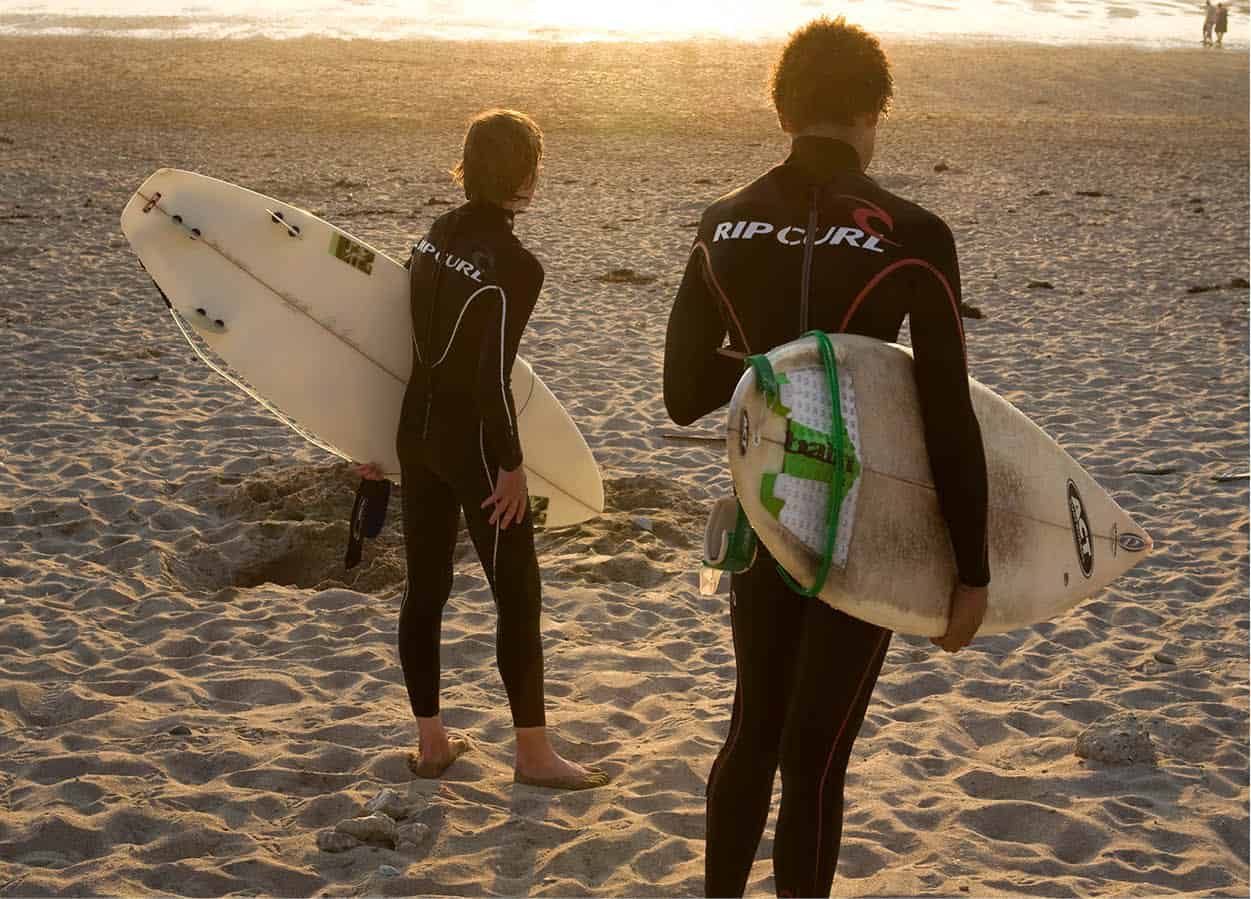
[[191, 689]]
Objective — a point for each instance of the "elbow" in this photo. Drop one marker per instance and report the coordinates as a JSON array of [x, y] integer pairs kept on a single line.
[[680, 397], [680, 408], [682, 417]]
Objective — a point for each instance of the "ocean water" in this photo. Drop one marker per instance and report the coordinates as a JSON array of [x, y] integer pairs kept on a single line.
[[1148, 22]]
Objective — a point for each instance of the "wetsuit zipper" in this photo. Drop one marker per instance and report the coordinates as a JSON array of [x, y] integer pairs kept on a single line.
[[434, 301], [810, 237]]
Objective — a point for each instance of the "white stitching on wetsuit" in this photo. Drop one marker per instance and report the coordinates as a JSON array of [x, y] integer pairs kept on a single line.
[[512, 427], [495, 550]]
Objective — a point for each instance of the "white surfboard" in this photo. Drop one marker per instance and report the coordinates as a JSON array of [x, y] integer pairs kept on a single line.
[[317, 324], [1055, 535]]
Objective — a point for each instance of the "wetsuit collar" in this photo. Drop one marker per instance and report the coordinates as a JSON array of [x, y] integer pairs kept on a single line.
[[820, 158], [489, 212]]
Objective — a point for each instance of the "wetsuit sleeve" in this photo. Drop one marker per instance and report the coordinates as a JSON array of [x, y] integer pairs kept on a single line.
[[698, 379], [519, 290], [953, 437]]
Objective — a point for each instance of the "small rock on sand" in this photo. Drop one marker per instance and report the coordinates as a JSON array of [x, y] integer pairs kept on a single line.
[[1040, 285], [409, 836], [1119, 739], [389, 803], [371, 829], [335, 841], [625, 276]]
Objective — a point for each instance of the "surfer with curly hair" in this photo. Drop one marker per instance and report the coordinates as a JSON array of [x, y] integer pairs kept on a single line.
[[816, 243], [473, 288]]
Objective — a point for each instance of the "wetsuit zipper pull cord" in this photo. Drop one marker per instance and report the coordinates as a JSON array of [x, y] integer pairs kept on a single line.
[[425, 425], [434, 300], [810, 237]]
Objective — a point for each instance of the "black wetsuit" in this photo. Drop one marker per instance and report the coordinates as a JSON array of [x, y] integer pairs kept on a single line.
[[815, 231], [473, 289]]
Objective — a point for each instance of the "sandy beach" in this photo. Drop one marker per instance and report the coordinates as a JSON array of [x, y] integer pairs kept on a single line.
[[192, 688]]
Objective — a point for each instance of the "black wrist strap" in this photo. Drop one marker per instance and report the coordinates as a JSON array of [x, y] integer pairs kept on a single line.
[[369, 514]]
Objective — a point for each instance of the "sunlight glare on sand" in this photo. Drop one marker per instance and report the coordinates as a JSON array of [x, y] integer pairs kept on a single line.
[[1047, 21]]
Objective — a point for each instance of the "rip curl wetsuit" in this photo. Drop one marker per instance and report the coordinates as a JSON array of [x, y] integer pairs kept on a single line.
[[815, 232], [473, 289]]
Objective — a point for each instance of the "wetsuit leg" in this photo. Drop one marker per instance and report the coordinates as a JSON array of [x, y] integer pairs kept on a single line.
[[512, 568], [431, 520], [767, 622], [805, 675], [839, 661]]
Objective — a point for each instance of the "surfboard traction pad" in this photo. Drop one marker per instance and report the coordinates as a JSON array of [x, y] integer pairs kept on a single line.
[[798, 496]]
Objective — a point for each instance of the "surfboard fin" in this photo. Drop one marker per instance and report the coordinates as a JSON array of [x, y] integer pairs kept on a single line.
[[729, 541]]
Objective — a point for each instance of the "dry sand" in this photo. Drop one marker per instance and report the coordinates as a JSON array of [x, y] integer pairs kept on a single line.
[[168, 554]]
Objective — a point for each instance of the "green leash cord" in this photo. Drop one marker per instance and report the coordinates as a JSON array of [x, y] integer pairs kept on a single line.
[[766, 380]]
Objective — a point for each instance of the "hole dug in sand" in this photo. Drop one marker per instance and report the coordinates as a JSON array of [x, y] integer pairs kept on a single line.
[[287, 525]]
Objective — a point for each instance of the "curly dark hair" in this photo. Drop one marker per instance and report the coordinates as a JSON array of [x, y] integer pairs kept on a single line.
[[829, 72], [502, 152]]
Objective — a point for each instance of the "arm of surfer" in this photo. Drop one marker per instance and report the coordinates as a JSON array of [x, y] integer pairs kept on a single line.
[[498, 352], [953, 440], [495, 401], [509, 498], [698, 377], [967, 610]]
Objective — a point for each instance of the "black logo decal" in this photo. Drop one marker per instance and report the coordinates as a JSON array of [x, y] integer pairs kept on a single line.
[[811, 449], [1132, 543], [355, 255], [744, 433], [1081, 531]]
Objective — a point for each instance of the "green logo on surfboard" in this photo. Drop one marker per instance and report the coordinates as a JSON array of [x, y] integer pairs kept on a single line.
[[359, 257]]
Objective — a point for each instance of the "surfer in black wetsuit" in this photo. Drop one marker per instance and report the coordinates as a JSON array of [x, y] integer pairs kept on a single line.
[[473, 288], [815, 243]]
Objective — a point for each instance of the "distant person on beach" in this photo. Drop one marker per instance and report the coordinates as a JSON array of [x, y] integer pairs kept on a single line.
[[1222, 23], [473, 288], [1209, 21], [815, 232]]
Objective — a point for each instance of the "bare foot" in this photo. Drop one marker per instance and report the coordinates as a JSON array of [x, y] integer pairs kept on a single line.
[[558, 773], [435, 764]]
